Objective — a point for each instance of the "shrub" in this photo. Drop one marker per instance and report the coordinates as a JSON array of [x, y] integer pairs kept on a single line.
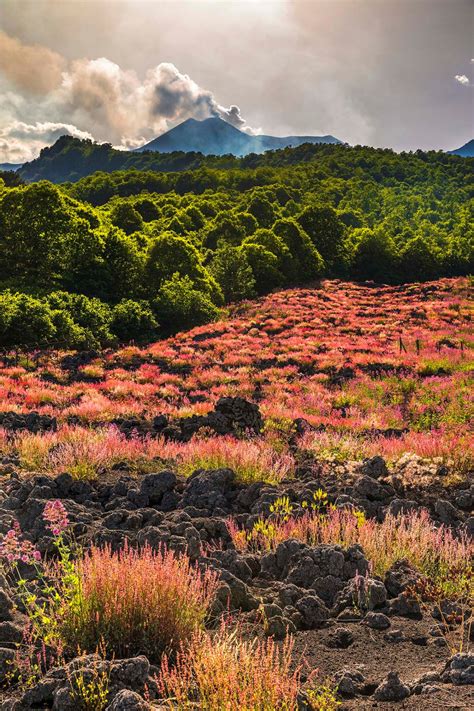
[[25, 322], [136, 602], [133, 321], [179, 305], [91, 315], [227, 672]]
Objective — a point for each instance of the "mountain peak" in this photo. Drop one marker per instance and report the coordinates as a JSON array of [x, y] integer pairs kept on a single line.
[[466, 151], [214, 136]]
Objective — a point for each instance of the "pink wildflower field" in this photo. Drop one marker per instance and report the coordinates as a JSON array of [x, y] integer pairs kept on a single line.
[[372, 369], [156, 550]]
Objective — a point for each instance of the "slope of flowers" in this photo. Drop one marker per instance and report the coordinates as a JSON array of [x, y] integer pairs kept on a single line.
[[374, 369]]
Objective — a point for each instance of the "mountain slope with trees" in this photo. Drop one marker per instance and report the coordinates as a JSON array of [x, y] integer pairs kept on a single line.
[[136, 254]]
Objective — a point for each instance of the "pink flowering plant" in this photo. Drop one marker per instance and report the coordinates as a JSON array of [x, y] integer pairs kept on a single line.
[[56, 518], [14, 548], [43, 595]]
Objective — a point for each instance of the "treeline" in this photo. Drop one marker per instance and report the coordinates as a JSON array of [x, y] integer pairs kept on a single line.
[[70, 159], [136, 255]]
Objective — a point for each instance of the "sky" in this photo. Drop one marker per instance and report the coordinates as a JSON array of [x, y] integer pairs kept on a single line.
[[388, 73]]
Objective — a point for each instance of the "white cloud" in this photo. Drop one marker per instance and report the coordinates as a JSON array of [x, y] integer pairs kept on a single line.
[[21, 142], [462, 79], [95, 97]]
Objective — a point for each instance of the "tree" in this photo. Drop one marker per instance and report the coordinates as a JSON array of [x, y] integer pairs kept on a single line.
[[179, 305], [11, 178], [69, 334], [327, 233], [419, 260], [34, 229], [195, 217], [147, 209], [225, 228], [232, 271], [170, 254], [133, 321], [286, 265], [351, 218], [306, 262], [374, 256], [263, 211], [89, 314], [247, 221], [85, 259], [125, 216], [25, 322], [122, 268], [264, 266]]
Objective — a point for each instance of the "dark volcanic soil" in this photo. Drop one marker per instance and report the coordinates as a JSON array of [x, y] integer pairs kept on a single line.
[[309, 590]]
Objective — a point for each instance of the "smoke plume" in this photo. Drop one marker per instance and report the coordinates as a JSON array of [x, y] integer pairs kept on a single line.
[[92, 98]]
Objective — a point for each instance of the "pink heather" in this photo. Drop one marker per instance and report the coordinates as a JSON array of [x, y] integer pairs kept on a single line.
[[55, 515]]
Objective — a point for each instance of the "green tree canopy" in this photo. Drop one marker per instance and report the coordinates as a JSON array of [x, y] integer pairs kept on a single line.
[[264, 265], [233, 273], [327, 233], [374, 255], [179, 305], [133, 321], [125, 216]]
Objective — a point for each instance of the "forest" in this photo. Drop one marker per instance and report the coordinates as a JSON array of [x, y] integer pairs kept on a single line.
[[137, 254]]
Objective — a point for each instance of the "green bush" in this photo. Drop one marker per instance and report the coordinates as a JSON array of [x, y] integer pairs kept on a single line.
[[179, 305], [264, 265], [25, 322], [233, 273], [133, 321]]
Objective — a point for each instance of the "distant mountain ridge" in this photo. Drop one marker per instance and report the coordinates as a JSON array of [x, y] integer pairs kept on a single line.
[[466, 151], [213, 136], [10, 166]]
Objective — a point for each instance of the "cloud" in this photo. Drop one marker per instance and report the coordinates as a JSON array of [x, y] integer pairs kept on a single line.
[[33, 68], [462, 79], [20, 142], [93, 97]]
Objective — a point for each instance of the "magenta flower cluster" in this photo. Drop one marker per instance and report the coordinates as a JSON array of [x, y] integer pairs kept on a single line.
[[14, 548], [56, 517]]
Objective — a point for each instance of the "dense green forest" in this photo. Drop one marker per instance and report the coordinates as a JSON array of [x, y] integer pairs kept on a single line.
[[136, 254]]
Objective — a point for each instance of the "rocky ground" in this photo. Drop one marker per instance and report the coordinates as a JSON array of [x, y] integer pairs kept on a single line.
[[387, 653]]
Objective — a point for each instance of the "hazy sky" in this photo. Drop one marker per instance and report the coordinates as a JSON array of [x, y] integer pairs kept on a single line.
[[396, 73]]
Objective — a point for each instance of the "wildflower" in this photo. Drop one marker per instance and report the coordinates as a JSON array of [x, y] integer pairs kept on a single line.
[[14, 548], [55, 515]]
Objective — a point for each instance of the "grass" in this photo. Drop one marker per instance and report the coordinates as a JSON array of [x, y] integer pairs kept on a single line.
[[251, 460], [434, 551], [83, 452], [136, 602], [227, 673]]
